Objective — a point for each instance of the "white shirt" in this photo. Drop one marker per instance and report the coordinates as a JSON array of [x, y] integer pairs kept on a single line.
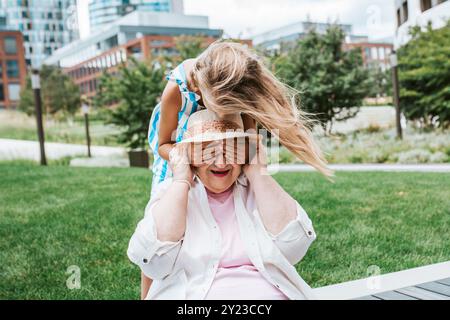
[[185, 269]]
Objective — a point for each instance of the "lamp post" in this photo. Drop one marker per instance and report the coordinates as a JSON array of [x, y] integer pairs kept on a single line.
[[394, 64], [36, 86], [85, 111]]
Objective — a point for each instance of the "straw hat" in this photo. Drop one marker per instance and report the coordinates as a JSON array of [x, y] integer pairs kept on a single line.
[[205, 125]]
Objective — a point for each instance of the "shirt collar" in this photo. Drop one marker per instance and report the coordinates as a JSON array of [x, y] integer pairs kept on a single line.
[[242, 180]]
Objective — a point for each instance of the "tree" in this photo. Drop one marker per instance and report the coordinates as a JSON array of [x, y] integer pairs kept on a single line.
[[380, 82], [136, 90], [186, 47], [60, 95], [332, 81], [424, 76], [189, 46]]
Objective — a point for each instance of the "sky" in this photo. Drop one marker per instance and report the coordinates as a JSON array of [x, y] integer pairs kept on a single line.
[[245, 18]]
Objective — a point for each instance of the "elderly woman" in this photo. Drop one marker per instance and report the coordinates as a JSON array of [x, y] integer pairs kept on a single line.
[[219, 228]]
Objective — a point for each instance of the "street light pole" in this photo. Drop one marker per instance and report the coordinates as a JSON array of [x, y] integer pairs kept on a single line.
[[85, 110], [36, 86], [396, 93]]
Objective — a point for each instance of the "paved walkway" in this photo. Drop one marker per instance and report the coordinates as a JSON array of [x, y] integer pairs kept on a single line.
[[29, 150], [437, 167], [116, 156]]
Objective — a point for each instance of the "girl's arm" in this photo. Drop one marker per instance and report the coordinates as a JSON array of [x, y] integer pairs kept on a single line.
[[170, 106]]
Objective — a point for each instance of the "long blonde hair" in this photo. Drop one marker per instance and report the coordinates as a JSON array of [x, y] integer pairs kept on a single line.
[[232, 78]]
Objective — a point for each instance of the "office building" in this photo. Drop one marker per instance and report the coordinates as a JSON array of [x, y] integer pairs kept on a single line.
[[12, 67], [411, 13], [374, 54], [46, 25], [139, 34], [283, 38], [102, 12]]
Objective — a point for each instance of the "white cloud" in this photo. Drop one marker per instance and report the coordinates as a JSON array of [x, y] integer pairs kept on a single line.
[[248, 17], [83, 17], [375, 18]]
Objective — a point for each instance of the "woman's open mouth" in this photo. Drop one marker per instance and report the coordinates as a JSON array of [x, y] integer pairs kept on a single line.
[[220, 173]]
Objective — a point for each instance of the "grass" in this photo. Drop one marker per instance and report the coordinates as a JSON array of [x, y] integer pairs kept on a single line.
[[16, 125], [55, 217]]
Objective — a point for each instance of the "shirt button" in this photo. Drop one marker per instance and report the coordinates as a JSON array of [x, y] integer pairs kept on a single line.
[[310, 233], [144, 260]]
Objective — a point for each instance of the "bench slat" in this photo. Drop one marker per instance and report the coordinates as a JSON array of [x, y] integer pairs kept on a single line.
[[392, 295], [422, 294], [367, 298], [436, 287], [444, 281]]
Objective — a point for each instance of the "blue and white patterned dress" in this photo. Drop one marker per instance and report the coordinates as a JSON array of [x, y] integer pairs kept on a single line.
[[189, 100]]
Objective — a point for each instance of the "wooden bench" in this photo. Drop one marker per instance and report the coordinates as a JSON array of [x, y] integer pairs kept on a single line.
[[431, 282]]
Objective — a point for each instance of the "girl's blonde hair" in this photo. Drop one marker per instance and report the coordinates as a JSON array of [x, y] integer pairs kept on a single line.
[[232, 78]]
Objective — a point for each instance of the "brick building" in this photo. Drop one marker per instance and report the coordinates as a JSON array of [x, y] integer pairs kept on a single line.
[[12, 68]]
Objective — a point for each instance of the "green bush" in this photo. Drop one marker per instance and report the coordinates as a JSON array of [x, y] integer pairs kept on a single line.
[[424, 74]]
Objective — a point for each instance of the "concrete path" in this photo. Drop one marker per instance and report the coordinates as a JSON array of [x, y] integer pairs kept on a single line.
[[29, 150], [381, 116], [117, 157], [438, 167]]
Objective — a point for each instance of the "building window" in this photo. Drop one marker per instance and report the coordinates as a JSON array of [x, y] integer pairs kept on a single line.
[[388, 52], [10, 44], [2, 93], [425, 5], [12, 69], [381, 54], [14, 91], [367, 53], [374, 53], [402, 13], [405, 11]]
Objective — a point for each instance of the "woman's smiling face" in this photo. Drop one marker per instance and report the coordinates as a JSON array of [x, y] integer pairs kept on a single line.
[[217, 174], [218, 177]]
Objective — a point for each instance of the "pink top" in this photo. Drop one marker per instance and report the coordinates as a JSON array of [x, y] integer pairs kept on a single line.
[[236, 277]]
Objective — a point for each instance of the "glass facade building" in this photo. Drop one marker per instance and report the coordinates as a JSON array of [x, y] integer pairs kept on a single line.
[[102, 12], [46, 25]]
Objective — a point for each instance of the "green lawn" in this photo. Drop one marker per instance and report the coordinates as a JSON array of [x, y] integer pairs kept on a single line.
[[17, 125], [55, 217]]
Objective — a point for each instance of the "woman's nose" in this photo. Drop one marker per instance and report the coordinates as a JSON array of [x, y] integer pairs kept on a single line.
[[219, 161]]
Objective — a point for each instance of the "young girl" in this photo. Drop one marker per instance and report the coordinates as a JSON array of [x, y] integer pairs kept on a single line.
[[228, 78], [170, 116]]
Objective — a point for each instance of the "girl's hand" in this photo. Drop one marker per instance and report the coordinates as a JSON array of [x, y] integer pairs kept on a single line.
[[204, 153], [179, 163], [257, 156]]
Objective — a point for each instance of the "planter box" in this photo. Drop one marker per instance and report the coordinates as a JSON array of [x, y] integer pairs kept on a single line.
[[139, 158]]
